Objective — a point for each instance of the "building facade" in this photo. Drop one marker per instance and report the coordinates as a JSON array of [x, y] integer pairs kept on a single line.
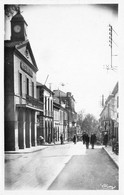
[[21, 104], [29, 108], [60, 119], [45, 95], [109, 117], [71, 115], [56, 118]]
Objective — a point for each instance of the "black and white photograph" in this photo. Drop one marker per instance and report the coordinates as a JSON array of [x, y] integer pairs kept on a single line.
[[61, 97]]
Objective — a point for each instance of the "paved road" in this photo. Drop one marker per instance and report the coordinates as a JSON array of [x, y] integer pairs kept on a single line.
[[93, 171], [61, 167]]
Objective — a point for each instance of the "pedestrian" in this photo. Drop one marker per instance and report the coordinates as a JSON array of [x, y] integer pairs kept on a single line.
[[54, 138], [113, 143], [74, 139], [61, 138], [92, 140], [105, 139], [87, 140], [41, 139], [83, 137]]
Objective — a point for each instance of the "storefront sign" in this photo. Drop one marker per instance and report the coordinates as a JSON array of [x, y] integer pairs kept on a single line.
[[26, 69]]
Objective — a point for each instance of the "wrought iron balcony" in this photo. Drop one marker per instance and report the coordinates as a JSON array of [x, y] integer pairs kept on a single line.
[[34, 102]]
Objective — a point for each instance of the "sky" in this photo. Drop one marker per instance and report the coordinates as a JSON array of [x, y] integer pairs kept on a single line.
[[70, 44]]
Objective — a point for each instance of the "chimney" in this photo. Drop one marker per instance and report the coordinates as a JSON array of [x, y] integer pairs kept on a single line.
[[69, 94]]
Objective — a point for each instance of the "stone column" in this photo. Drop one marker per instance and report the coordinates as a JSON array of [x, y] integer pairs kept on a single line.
[[16, 130], [24, 129], [35, 128], [30, 129]]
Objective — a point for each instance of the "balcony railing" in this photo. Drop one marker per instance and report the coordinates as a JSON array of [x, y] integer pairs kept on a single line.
[[34, 102]]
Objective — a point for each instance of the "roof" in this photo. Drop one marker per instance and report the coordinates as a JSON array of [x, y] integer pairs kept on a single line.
[[18, 17], [56, 100], [39, 84], [17, 45], [115, 90], [44, 87], [59, 93], [62, 94]]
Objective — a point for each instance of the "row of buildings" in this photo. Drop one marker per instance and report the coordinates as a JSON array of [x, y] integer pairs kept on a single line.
[[109, 117], [31, 109]]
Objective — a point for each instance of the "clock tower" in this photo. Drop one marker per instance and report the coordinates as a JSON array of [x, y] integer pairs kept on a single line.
[[18, 28]]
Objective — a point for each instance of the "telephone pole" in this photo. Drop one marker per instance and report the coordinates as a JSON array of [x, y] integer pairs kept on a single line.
[[110, 41]]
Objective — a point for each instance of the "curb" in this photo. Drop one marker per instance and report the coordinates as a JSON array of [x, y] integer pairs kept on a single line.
[[110, 157], [25, 152]]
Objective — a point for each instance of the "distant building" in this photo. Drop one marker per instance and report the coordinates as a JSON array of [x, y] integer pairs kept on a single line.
[[56, 118], [45, 95], [69, 101], [60, 119], [109, 117]]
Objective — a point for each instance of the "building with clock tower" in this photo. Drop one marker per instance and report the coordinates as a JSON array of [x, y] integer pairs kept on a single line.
[[20, 102]]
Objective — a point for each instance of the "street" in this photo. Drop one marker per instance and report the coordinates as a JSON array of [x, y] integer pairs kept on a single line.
[[61, 167]]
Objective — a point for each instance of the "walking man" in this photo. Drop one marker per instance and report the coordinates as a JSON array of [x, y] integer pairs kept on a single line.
[[74, 139], [87, 140], [92, 140], [105, 139], [83, 137], [61, 138]]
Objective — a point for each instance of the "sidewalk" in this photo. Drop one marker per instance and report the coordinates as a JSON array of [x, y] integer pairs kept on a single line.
[[108, 149], [112, 155], [33, 149]]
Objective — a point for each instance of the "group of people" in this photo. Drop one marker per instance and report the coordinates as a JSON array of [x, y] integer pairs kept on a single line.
[[89, 140], [85, 137]]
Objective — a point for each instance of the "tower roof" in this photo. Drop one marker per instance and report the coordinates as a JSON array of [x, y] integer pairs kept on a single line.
[[18, 17]]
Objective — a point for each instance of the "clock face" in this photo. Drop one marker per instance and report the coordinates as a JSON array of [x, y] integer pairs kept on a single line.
[[17, 28]]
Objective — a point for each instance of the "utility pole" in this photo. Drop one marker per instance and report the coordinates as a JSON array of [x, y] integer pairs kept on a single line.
[[110, 41]]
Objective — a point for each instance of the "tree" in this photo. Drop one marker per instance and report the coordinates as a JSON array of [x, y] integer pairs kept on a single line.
[[90, 124], [80, 118]]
